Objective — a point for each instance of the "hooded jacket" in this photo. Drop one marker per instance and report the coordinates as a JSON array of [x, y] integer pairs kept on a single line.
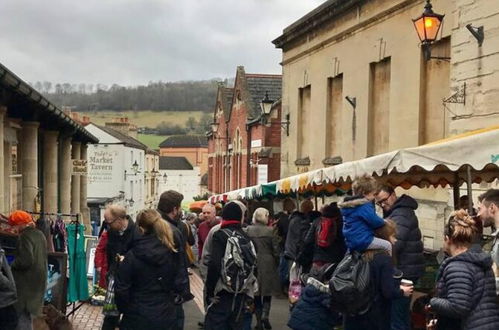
[[359, 222], [8, 295], [145, 285], [408, 250], [466, 292]]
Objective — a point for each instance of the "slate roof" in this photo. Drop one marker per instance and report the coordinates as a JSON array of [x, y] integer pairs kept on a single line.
[[258, 85], [174, 163], [185, 141], [228, 95], [127, 140]]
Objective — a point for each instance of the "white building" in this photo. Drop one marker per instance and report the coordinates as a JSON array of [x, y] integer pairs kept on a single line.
[[176, 173], [116, 167]]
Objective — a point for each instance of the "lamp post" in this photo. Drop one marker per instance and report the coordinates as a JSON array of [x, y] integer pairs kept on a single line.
[[427, 27]]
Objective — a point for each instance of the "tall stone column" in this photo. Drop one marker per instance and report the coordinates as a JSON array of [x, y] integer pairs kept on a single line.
[[3, 208], [65, 175], [75, 180], [7, 161], [50, 171], [29, 163], [85, 211]]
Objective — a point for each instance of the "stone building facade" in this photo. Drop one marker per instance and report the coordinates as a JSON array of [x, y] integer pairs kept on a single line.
[[192, 147], [243, 146], [43, 153], [356, 84]]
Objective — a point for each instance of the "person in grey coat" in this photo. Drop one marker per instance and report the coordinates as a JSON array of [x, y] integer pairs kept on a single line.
[[267, 256], [8, 295], [465, 284], [29, 269]]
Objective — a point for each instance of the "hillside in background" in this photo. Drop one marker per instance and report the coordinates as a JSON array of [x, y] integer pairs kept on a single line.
[[156, 96]]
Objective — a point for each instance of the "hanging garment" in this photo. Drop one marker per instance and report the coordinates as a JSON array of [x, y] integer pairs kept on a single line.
[[77, 282], [59, 235], [43, 224]]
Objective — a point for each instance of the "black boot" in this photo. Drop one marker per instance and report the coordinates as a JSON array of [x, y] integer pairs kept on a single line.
[[265, 315]]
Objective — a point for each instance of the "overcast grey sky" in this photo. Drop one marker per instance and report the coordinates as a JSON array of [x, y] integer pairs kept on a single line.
[[131, 42]]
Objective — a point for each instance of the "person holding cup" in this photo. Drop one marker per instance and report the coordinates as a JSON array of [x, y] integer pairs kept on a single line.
[[465, 296], [387, 284]]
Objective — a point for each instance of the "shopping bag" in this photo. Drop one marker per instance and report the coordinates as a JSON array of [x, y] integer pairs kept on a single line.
[[110, 308], [295, 284]]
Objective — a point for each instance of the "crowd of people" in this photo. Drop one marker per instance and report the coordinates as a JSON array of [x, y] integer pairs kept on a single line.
[[343, 266]]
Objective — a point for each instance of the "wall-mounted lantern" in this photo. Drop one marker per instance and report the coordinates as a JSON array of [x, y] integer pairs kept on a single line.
[[427, 27], [165, 177], [135, 169]]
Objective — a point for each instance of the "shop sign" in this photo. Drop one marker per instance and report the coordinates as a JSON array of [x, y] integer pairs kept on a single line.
[[79, 167]]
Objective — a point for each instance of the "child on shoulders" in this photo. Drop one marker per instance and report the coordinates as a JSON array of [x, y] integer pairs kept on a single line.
[[360, 218]]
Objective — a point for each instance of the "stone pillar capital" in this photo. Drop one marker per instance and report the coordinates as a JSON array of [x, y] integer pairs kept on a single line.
[[51, 134], [30, 124]]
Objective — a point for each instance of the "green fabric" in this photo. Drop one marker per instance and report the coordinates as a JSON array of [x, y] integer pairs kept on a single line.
[[30, 271], [77, 284], [269, 189]]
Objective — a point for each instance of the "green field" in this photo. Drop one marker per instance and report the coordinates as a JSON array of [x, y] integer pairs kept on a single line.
[[144, 118], [152, 141]]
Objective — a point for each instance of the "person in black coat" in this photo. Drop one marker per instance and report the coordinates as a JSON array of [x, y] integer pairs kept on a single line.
[[408, 250], [385, 279], [465, 283], [145, 284], [226, 309], [333, 248], [122, 235]]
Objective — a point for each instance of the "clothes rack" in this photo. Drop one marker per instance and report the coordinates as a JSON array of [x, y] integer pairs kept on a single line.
[[75, 219]]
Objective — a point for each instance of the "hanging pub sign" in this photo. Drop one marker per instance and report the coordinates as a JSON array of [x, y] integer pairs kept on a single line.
[[79, 167]]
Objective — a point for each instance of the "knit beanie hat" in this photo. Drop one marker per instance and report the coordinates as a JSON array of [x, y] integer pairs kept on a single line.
[[18, 218], [232, 211]]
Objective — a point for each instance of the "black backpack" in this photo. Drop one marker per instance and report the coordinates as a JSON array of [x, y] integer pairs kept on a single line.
[[351, 290]]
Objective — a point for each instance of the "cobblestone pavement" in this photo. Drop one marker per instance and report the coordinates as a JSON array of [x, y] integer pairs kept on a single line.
[[88, 317]]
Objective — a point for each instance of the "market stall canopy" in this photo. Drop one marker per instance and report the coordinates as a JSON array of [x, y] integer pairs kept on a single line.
[[436, 164], [300, 182]]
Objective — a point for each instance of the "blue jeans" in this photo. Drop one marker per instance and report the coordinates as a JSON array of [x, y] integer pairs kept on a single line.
[[401, 313]]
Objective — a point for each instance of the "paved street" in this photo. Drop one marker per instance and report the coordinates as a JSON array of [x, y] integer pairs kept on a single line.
[[90, 317]]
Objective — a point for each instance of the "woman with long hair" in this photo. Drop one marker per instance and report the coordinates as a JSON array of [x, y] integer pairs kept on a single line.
[[145, 281], [386, 282], [466, 297]]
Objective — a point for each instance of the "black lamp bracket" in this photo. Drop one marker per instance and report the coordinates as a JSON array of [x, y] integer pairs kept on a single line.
[[477, 32], [285, 124], [352, 101]]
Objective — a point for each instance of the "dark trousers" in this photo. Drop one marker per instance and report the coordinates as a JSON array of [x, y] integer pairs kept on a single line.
[[401, 314], [110, 322], [226, 314], [8, 318]]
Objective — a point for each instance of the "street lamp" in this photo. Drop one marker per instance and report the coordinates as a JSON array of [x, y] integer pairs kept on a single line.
[[135, 167], [165, 177], [427, 27], [266, 107]]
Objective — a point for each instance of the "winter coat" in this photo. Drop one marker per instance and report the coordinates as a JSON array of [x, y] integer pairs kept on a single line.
[[266, 259], [408, 250], [386, 288], [8, 294], [335, 251], [144, 286], [359, 222], [282, 226], [312, 311], [120, 244], [299, 225], [30, 270], [466, 292], [100, 259]]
